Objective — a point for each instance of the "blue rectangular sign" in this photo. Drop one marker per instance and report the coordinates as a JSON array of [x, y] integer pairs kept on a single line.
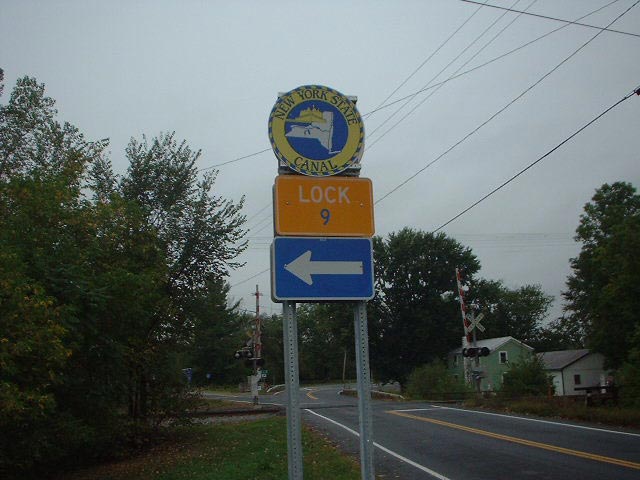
[[321, 268]]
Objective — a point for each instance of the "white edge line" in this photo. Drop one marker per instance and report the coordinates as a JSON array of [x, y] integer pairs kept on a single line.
[[538, 420], [247, 401], [416, 409], [384, 449]]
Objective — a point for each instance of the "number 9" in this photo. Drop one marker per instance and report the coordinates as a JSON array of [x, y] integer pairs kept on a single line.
[[326, 215]]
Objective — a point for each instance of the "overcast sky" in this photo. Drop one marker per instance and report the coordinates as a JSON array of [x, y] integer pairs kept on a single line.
[[211, 71]]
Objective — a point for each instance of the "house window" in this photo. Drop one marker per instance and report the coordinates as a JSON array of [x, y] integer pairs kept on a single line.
[[576, 379], [503, 357]]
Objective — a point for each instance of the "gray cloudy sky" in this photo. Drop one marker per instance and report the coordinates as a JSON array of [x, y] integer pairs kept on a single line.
[[211, 70]]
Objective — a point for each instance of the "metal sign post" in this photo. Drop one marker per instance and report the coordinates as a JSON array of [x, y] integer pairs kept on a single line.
[[292, 384], [364, 391]]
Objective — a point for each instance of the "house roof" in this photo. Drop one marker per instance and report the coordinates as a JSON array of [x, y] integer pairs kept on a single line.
[[562, 358], [493, 344]]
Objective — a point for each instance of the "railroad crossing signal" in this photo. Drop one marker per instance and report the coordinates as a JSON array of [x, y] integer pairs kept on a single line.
[[474, 322]]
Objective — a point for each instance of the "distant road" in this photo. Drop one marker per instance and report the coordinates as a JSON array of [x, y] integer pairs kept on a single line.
[[424, 441]]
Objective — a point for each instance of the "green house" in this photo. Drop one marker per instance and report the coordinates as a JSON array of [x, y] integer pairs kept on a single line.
[[490, 369]]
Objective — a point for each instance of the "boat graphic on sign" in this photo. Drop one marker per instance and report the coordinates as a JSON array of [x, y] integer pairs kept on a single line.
[[313, 124]]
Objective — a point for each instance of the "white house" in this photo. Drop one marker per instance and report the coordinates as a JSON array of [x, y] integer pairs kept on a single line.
[[573, 369]]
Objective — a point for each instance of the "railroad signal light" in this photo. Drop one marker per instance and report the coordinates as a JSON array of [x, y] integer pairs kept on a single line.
[[476, 352], [243, 353]]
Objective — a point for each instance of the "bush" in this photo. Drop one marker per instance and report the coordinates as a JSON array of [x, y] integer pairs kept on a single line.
[[434, 382], [629, 379], [527, 378]]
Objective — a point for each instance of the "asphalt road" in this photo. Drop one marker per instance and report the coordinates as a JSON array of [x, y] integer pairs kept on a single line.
[[425, 441]]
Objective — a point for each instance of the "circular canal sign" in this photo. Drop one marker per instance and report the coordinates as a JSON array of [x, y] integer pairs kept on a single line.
[[316, 131]]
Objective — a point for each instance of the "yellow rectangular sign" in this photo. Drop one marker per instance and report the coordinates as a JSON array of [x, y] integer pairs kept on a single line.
[[323, 206]]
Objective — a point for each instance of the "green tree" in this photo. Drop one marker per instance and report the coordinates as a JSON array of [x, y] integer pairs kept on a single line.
[[273, 349], [32, 358], [325, 332], [519, 312], [559, 334], [415, 317], [628, 376], [527, 377], [219, 330], [435, 382], [35, 144], [44, 230], [98, 296], [603, 292], [202, 233], [199, 235]]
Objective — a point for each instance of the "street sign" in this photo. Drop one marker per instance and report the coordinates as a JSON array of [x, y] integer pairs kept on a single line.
[[316, 131], [318, 269], [331, 206]]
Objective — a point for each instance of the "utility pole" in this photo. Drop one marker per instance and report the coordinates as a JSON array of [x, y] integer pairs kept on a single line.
[[257, 346]]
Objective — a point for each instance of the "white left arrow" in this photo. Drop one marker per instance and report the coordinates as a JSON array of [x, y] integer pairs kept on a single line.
[[303, 267]]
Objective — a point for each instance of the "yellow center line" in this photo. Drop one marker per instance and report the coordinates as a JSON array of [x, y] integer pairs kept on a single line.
[[522, 441], [311, 396]]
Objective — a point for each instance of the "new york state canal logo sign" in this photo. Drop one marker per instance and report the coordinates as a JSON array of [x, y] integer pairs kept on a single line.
[[316, 131]]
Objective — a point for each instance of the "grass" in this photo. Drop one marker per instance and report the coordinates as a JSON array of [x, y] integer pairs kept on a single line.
[[243, 451], [561, 408], [216, 404]]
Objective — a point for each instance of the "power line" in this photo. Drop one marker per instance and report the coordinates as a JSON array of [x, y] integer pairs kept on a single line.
[[503, 184], [433, 92], [435, 85], [261, 225], [495, 59], [430, 56], [637, 91], [547, 17], [514, 100], [251, 277], [234, 160], [258, 213]]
